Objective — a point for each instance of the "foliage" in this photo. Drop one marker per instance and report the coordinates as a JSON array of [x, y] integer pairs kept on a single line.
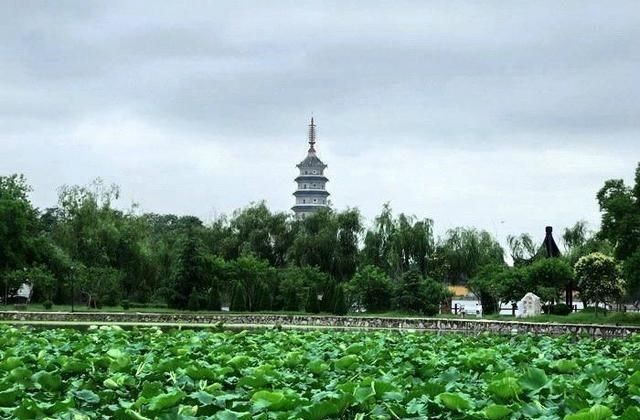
[[190, 273], [257, 259], [599, 279], [523, 249], [312, 304], [370, 288], [486, 287], [17, 222], [620, 207], [340, 307], [98, 285], [41, 279], [559, 309], [148, 373], [396, 245], [329, 241], [631, 270], [417, 294], [252, 280], [294, 284], [467, 251], [548, 276], [580, 241]]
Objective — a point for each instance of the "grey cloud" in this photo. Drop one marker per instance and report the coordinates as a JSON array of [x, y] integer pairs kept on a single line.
[[419, 76]]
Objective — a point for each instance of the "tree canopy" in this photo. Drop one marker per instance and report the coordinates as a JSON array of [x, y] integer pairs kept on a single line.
[[257, 259]]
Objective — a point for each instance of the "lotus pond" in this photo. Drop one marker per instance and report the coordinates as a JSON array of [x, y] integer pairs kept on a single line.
[[108, 372]]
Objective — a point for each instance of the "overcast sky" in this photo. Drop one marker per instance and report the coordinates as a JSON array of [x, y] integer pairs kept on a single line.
[[507, 116]]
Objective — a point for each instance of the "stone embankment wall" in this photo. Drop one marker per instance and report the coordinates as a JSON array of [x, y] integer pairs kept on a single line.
[[472, 326]]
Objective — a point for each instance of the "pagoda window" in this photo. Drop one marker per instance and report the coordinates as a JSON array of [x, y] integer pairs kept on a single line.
[[315, 200]]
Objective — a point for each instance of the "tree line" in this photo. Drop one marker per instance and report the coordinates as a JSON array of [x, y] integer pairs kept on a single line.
[[259, 260]]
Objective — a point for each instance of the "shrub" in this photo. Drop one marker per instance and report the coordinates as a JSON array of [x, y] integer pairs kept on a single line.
[[371, 288], [125, 304], [599, 279], [47, 304], [193, 304], [312, 305], [559, 309], [213, 302], [417, 294], [431, 310]]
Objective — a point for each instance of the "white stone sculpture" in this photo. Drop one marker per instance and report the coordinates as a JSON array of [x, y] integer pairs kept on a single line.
[[528, 306]]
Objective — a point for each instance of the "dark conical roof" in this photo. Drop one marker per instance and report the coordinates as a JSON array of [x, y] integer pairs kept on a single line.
[[549, 245]]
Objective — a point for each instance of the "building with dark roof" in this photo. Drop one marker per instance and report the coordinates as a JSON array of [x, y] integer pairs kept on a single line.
[[311, 194]]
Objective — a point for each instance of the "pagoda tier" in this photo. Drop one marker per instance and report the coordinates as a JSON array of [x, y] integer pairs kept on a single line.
[[311, 178], [311, 193]]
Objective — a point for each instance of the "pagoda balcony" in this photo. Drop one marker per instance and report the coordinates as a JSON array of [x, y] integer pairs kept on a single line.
[[311, 178], [308, 207], [311, 192]]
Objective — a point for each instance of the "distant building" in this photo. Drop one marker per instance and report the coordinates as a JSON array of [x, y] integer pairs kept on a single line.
[[311, 194]]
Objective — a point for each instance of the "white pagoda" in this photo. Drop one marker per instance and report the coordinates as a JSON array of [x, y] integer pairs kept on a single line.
[[311, 194]]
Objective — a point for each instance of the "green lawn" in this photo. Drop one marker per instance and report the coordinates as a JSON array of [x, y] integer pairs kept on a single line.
[[612, 318]]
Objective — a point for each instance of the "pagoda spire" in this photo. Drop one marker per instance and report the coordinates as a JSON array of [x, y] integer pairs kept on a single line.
[[312, 136]]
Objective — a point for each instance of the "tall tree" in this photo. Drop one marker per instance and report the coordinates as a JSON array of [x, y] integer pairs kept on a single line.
[[599, 279], [18, 222], [371, 288], [523, 249], [253, 282], [620, 209], [467, 250], [397, 245], [190, 273]]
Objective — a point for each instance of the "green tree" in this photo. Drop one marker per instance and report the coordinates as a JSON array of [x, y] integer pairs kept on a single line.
[[486, 286], [292, 289], [397, 245], [253, 282], [620, 207], [467, 251], [370, 287], [99, 285], [190, 272], [599, 279], [18, 222], [524, 250], [312, 304], [329, 241], [255, 230], [417, 294], [44, 282], [547, 277], [632, 274], [341, 307], [580, 241]]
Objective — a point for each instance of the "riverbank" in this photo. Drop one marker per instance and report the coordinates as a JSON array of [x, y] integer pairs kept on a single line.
[[244, 320]]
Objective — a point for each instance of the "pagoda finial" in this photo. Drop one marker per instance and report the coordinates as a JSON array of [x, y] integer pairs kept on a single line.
[[312, 135]]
